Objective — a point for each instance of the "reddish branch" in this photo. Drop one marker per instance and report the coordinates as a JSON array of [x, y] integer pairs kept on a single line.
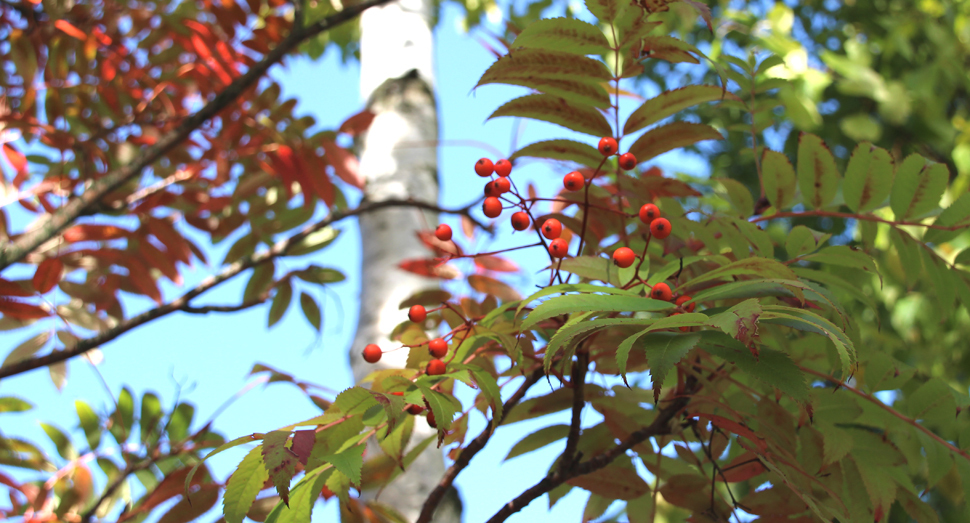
[[661, 425], [477, 444], [278, 249], [16, 250]]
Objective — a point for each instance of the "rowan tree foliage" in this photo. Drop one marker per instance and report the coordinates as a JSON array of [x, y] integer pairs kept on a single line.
[[761, 357]]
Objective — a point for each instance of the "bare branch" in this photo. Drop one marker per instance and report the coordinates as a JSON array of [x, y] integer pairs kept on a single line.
[[16, 250], [469, 452], [278, 249], [578, 381]]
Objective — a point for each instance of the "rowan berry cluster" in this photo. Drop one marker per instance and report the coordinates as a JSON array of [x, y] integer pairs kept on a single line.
[[498, 185]]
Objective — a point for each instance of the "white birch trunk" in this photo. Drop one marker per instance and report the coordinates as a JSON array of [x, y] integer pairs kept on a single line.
[[398, 160]]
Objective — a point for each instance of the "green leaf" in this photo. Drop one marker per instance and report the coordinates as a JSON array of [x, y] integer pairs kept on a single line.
[[311, 311], [123, 417], [669, 103], [578, 325], [801, 240], [151, 414], [12, 404], [845, 256], [604, 10], [671, 136], [779, 179], [305, 494], [349, 462], [279, 461], [563, 34], [739, 196], [489, 387], [956, 214], [772, 367], [243, 486], [565, 150], [27, 348], [740, 321], [529, 64], [553, 109], [260, 281], [313, 242], [225, 446], [808, 321], [818, 177], [281, 302], [537, 440], [180, 421], [591, 302], [441, 406], [571, 287], [64, 447], [868, 178], [90, 423], [355, 400], [320, 275], [663, 352], [754, 266], [918, 187], [694, 319], [589, 267]]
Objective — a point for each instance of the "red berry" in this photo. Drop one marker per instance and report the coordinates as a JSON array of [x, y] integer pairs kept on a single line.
[[438, 347], [552, 228], [684, 299], [624, 257], [503, 167], [435, 367], [443, 232], [492, 207], [648, 213], [414, 410], [558, 248], [431, 422], [660, 228], [417, 313], [684, 328], [398, 393], [484, 167], [607, 146], [372, 353], [628, 161], [520, 221], [573, 181], [503, 185], [661, 291], [491, 190]]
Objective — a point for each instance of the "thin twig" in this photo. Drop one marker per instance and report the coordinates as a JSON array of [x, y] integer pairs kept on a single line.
[[431, 503]]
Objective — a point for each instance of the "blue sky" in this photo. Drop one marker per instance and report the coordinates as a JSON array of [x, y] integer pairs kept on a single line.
[[204, 359]]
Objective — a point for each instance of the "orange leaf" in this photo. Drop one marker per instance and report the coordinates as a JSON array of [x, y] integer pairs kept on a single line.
[[89, 232], [357, 123], [430, 268], [344, 163], [21, 310], [48, 275], [494, 287], [69, 28], [468, 227], [496, 263]]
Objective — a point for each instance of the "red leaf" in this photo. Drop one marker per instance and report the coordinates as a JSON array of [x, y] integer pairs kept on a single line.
[[303, 444], [743, 468], [19, 163], [732, 426], [21, 310], [48, 275], [320, 181], [494, 287], [496, 263], [69, 28], [174, 243], [88, 232], [430, 267], [357, 123], [141, 280], [10, 288], [173, 485], [345, 164], [438, 247]]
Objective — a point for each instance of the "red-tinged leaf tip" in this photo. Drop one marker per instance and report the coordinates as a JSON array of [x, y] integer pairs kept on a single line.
[[70, 30], [47, 275], [344, 164], [357, 123]]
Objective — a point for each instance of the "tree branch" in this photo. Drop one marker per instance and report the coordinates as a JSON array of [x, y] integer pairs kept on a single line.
[[278, 249], [661, 425], [16, 250], [578, 380], [469, 452]]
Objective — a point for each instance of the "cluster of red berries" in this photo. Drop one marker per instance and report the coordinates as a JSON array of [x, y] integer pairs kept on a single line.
[[437, 347], [661, 291], [659, 228]]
